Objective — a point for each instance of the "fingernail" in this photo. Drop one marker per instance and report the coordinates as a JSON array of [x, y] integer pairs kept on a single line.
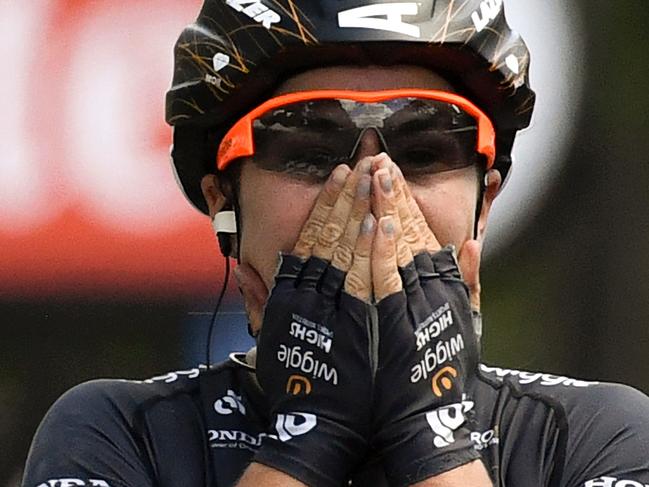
[[368, 224], [364, 185], [386, 182], [381, 159], [387, 225], [339, 176], [365, 166]]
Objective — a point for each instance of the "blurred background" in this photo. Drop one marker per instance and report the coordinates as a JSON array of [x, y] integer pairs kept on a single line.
[[106, 271]]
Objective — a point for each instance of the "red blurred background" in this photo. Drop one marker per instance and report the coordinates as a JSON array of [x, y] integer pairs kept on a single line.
[[88, 199]]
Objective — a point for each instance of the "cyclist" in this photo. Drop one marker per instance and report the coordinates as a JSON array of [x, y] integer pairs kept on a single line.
[[363, 143]]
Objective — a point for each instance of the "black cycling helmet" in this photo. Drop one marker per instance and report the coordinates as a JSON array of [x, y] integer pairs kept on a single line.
[[238, 51]]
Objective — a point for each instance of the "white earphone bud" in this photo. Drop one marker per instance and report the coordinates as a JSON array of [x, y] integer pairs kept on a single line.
[[224, 222]]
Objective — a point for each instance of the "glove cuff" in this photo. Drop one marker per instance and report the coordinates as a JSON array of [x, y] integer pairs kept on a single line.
[[402, 475], [424, 446], [322, 457]]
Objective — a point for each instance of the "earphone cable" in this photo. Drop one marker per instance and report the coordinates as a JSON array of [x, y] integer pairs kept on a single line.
[[226, 279]]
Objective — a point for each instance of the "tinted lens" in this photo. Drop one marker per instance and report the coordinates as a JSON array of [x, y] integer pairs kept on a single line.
[[309, 139], [306, 139], [430, 136]]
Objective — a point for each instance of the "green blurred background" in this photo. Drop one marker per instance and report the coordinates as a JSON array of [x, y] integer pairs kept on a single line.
[[567, 296], [571, 294]]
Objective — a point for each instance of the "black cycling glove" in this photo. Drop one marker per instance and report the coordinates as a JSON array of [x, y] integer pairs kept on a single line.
[[313, 363], [427, 349]]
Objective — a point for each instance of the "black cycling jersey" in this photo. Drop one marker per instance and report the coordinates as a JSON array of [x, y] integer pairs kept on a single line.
[[201, 427]]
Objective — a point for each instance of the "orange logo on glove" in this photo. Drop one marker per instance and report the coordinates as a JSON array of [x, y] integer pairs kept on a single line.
[[443, 379], [297, 385]]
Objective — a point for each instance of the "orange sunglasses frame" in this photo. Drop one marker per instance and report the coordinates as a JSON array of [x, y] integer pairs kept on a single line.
[[239, 141]]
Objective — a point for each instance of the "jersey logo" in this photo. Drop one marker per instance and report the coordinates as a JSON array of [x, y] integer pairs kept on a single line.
[[488, 11], [446, 420], [256, 11], [229, 403], [74, 483], [613, 482], [287, 425], [236, 439], [485, 439], [174, 376], [546, 380], [383, 16]]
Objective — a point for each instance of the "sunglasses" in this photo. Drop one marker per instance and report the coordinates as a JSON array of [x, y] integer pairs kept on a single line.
[[310, 133]]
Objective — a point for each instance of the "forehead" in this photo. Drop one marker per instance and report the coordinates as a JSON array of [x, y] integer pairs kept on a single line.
[[365, 78]]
